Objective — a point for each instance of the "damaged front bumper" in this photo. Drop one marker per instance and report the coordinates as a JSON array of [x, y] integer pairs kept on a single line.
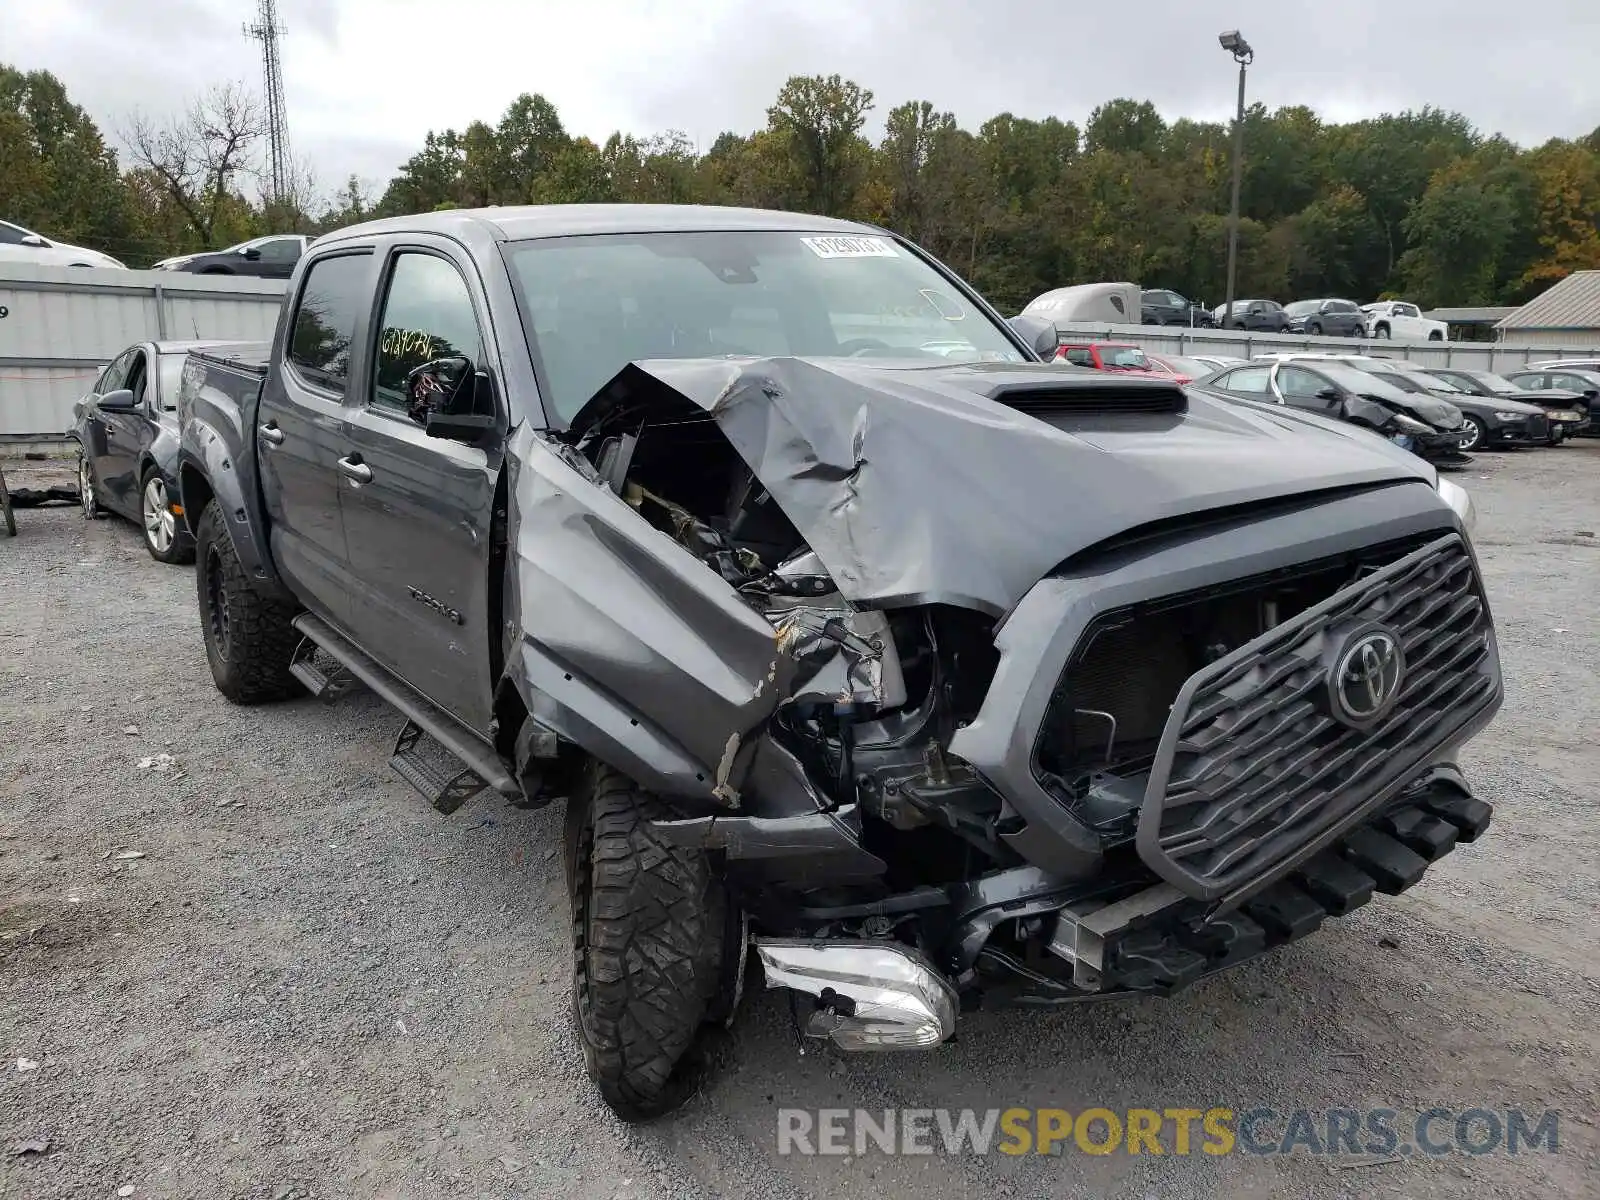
[[1154, 940]]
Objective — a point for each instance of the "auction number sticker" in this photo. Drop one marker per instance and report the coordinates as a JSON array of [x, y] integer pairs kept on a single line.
[[850, 247]]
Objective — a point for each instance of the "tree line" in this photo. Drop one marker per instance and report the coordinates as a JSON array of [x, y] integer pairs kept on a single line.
[[1419, 204]]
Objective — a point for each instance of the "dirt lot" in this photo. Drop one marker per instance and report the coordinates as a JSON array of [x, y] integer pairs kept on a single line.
[[310, 984]]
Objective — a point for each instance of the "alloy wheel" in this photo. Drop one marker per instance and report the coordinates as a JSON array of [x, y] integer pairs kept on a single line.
[[160, 525], [86, 488]]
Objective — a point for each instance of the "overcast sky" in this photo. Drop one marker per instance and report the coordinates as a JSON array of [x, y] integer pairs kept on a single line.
[[366, 79]]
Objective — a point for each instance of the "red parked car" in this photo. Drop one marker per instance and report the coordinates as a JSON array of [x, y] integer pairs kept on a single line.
[[1122, 357], [1184, 370]]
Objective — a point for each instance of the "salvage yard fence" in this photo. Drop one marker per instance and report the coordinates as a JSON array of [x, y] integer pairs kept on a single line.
[[60, 326], [1234, 343]]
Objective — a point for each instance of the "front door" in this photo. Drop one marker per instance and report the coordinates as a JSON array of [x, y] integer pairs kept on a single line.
[[278, 257], [418, 508], [1300, 388], [124, 437], [301, 430]]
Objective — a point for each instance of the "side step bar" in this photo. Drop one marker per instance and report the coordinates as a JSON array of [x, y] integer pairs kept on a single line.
[[444, 790]]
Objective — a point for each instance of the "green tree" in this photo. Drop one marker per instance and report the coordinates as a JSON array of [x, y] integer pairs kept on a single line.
[[57, 175], [1125, 127], [820, 121]]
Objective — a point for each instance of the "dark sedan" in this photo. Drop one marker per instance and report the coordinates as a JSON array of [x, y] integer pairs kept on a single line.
[[1583, 381], [270, 257], [127, 434], [1256, 316], [1491, 420], [1334, 318], [1430, 428], [1568, 411]]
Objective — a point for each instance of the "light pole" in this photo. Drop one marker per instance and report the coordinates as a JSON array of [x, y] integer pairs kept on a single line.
[[1244, 56]]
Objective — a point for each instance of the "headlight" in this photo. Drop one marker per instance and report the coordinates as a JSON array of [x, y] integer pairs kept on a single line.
[[1500, 416], [1460, 502], [1410, 424]]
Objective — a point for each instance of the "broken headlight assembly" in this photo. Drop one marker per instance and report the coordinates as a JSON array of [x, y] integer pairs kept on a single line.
[[1401, 423]]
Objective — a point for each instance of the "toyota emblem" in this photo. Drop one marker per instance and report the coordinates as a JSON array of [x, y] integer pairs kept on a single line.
[[1366, 677]]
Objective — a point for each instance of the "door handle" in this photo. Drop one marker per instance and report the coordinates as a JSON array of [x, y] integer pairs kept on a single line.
[[355, 470], [270, 431]]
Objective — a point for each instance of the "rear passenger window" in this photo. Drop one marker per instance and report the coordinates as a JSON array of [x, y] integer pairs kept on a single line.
[[427, 315], [325, 323], [1248, 380]]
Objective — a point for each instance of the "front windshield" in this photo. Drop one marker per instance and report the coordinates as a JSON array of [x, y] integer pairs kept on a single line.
[[1302, 308], [1433, 383], [1130, 357], [593, 304], [1495, 383]]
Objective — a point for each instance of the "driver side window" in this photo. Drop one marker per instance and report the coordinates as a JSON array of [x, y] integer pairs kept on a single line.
[[1296, 383], [427, 315], [138, 378], [115, 376]]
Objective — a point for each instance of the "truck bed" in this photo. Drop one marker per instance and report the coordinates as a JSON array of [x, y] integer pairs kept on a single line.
[[249, 358]]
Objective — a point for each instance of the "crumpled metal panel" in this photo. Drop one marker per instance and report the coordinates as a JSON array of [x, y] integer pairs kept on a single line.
[[912, 486], [623, 642]]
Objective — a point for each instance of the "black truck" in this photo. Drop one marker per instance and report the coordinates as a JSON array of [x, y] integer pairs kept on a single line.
[[857, 639]]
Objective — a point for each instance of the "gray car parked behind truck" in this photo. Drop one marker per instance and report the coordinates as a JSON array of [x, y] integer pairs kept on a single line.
[[858, 640]]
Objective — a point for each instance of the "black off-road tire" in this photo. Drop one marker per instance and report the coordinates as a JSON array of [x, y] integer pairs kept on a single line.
[[649, 932], [250, 638]]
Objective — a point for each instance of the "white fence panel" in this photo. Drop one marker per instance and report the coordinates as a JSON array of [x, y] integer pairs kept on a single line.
[[59, 326], [1171, 339]]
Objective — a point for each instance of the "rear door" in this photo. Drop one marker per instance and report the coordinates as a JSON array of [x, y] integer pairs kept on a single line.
[[418, 508], [302, 429]]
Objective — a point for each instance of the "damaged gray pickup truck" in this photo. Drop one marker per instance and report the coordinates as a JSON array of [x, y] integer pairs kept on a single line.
[[859, 640]]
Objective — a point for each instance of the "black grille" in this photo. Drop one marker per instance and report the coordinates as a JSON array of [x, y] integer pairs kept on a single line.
[[1254, 768], [1539, 426]]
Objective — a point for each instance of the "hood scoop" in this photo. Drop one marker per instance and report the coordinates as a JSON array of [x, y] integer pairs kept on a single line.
[[1091, 396]]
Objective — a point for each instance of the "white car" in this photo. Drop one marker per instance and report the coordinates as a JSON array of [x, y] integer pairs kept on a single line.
[[1403, 322], [23, 245]]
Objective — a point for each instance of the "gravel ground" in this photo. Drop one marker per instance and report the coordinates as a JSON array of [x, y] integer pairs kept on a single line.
[[310, 984]]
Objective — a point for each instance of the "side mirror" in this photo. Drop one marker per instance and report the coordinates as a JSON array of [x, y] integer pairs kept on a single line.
[[445, 397], [33, 239], [251, 253], [120, 400], [1040, 334], [1329, 393]]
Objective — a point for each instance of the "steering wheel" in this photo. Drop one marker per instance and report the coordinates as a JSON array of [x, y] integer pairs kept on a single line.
[[856, 347]]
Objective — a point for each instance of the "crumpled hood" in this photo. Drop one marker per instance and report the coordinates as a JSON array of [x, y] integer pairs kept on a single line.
[[1551, 397], [1441, 414], [913, 486]]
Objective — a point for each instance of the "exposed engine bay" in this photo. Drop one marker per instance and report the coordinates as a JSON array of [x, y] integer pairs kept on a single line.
[[878, 695]]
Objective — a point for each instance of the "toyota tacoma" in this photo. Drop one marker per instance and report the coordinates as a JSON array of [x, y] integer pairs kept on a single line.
[[866, 649]]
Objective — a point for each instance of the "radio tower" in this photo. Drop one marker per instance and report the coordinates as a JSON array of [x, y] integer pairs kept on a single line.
[[266, 31]]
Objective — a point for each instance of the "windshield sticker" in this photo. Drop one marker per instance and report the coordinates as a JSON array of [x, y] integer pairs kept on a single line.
[[850, 247]]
